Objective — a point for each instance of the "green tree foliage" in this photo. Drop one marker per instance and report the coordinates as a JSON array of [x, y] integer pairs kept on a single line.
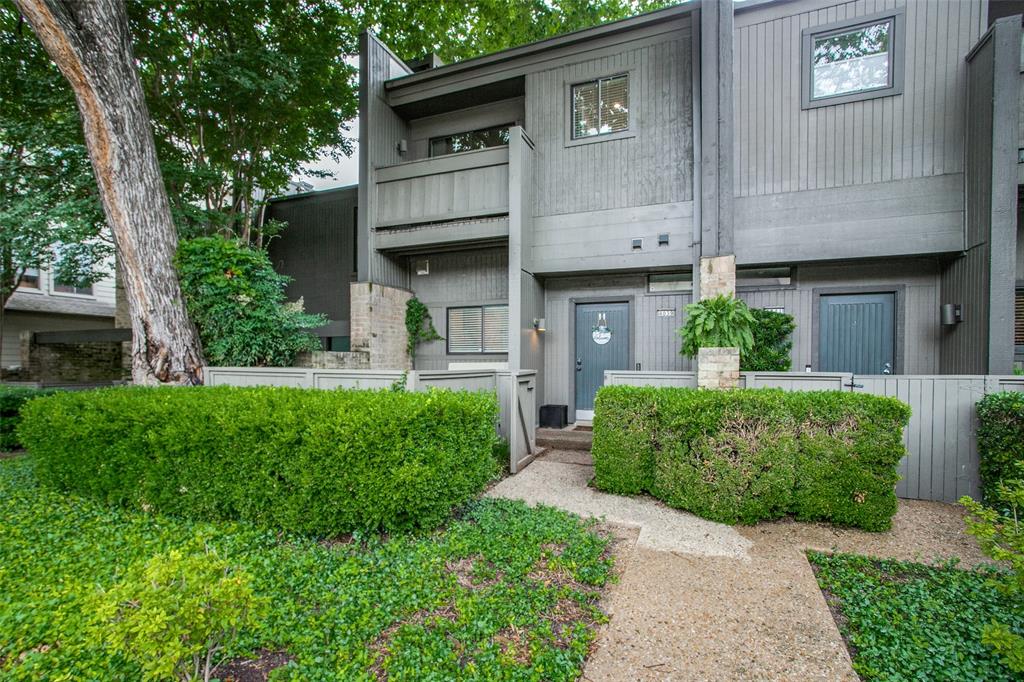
[[772, 342], [1000, 440], [173, 614], [242, 96], [1000, 533], [237, 302], [48, 197], [719, 322]]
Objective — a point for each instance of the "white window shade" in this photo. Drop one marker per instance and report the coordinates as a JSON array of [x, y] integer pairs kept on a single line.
[[600, 107], [465, 330], [585, 99], [495, 333]]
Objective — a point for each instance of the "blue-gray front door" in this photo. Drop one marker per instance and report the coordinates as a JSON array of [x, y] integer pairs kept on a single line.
[[857, 333], [602, 342]]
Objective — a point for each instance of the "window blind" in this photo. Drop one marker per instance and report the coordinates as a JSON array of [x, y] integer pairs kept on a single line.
[[478, 329]]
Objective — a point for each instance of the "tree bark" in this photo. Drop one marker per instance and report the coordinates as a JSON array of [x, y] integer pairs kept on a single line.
[[90, 42]]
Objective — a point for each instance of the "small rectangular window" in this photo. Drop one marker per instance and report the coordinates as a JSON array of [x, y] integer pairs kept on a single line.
[[29, 279], [669, 282], [763, 277], [63, 288], [483, 138], [478, 329], [600, 107], [856, 60]]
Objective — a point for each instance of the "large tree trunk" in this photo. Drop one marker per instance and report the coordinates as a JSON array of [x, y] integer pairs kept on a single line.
[[91, 45]]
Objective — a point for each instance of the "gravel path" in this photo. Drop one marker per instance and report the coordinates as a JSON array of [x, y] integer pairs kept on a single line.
[[699, 600]]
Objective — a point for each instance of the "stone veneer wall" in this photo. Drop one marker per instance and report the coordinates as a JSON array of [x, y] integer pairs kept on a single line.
[[378, 324], [72, 362], [718, 367], [325, 359]]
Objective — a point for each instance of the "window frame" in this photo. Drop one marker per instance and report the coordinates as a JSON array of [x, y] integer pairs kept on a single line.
[[499, 126], [447, 328], [634, 106], [896, 50], [36, 288]]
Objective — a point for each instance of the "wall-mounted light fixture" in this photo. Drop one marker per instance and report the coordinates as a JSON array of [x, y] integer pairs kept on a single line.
[[951, 314], [402, 147], [538, 324]]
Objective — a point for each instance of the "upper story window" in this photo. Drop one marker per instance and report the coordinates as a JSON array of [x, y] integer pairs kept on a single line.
[[495, 136], [600, 107], [66, 288], [855, 60], [478, 329], [29, 279]]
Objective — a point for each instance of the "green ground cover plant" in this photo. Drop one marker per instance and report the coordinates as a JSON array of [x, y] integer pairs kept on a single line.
[[304, 460], [504, 592], [909, 621], [1000, 439], [12, 398], [745, 455]]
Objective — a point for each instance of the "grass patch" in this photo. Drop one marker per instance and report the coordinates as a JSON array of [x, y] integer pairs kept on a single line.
[[909, 621], [505, 592]]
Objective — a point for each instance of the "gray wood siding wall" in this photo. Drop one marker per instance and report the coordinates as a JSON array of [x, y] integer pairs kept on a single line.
[[656, 344], [378, 138], [591, 199], [781, 148], [315, 250], [458, 278], [443, 196]]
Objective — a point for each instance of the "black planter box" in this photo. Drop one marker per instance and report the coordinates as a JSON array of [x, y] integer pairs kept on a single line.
[[554, 416]]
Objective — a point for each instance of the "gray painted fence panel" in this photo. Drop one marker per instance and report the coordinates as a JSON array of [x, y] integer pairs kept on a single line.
[[941, 438]]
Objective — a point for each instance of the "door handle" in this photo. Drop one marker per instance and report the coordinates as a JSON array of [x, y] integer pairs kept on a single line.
[[887, 368], [579, 364]]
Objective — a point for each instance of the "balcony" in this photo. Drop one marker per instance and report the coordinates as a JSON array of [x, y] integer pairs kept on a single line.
[[454, 199]]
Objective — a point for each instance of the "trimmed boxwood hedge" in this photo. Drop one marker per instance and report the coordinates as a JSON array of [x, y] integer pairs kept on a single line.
[[305, 460], [746, 455], [12, 398], [1000, 440]]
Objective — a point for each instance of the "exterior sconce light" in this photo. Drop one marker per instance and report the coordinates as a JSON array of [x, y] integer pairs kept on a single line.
[[951, 314], [538, 324]]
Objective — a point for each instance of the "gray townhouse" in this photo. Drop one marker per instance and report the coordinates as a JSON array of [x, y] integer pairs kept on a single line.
[[550, 203]]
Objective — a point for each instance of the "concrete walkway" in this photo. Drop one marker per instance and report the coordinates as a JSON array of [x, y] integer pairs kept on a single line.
[[698, 600]]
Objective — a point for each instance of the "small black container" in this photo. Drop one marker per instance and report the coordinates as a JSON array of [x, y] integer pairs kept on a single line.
[[554, 416]]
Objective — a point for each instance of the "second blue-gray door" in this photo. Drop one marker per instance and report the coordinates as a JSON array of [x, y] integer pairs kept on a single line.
[[602, 343], [857, 333]]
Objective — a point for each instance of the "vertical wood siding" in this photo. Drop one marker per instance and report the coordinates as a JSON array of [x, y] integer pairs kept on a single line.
[[781, 148], [381, 131], [315, 249], [653, 167], [458, 278]]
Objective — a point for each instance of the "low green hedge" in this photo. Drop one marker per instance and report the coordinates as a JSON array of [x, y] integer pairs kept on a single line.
[[311, 461], [12, 398], [747, 455], [1000, 439]]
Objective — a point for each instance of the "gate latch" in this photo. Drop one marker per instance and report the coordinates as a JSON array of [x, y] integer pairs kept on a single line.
[[852, 385]]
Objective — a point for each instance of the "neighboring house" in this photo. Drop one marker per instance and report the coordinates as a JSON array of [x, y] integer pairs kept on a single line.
[[549, 202], [43, 304]]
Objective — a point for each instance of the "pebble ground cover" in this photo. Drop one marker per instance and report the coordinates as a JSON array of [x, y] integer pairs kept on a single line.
[[503, 592], [910, 621]]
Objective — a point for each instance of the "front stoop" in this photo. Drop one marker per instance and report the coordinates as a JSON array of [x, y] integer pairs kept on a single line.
[[565, 439]]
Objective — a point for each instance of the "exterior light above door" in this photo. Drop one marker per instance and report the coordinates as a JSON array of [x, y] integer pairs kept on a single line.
[[538, 324]]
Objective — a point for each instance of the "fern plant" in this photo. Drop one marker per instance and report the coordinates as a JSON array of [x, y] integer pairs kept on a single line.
[[719, 322]]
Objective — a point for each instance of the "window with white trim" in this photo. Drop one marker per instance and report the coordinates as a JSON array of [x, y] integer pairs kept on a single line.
[[855, 60], [29, 279], [478, 329], [600, 107]]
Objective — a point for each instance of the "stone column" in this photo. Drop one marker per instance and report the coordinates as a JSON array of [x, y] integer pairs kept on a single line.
[[718, 367], [378, 324]]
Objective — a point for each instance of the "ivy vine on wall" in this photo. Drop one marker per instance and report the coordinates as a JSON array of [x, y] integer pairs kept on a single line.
[[419, 325]]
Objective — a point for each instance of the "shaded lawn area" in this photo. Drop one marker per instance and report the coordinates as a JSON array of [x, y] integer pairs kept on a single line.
[[505, 592], [909, 621]]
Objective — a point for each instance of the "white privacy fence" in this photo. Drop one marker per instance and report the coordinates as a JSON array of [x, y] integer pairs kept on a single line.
[[516, 392], [942, 445]]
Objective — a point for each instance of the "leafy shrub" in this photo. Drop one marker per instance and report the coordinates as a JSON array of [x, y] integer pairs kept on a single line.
[[772, 342], [419, 326], [12, 398], [238, 304], [910, 621], [1000, 440], [1001, 536], [307, 460], [719, 322], [173, 615], [745, 455]]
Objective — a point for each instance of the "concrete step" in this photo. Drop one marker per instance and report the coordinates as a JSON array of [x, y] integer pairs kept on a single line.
[[565, 439]]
